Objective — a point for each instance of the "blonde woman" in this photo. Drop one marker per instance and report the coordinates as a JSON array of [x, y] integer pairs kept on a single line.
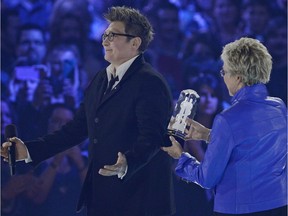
[[246, 158]]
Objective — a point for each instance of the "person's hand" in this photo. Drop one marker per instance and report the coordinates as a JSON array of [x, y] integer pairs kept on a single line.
[[43, 93], [69, 93], [33, 188], [57, 160], [117, 169], [75, 155], [197, 131], [68, 88], [175, 150], [21, 150], [15, 186]]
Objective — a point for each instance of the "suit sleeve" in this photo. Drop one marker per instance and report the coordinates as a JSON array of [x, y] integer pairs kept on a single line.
[[68, 136]]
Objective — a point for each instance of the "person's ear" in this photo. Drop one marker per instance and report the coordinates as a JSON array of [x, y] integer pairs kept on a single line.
[[239, 79], [136, 42]]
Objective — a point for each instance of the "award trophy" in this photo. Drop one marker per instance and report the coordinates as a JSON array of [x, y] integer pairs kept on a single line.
[[185, 108]]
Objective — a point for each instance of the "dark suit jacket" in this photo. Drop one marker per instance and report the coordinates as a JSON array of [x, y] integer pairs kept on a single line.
[[132, 119]]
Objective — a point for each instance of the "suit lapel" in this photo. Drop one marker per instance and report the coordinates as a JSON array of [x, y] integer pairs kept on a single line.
[[105, 97], [98, 91], [131, 70]]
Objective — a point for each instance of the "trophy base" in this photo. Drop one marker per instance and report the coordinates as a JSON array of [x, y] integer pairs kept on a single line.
[[176, 133]]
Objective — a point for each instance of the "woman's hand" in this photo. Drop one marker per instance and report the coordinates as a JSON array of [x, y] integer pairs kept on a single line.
[[197, 131], [175, 150]]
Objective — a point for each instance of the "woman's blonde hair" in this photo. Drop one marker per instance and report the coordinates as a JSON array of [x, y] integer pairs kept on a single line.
[[249, 59]]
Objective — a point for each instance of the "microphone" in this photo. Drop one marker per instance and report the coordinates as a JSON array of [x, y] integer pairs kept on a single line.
[[11, 131]]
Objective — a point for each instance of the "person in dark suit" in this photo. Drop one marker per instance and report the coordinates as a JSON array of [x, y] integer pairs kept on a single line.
[[128, 174]]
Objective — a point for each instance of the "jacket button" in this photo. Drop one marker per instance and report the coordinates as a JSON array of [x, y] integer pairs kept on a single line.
[[96, 120], [95, 140]]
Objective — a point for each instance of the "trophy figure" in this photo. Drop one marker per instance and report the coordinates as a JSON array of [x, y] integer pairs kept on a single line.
[[184, 108]]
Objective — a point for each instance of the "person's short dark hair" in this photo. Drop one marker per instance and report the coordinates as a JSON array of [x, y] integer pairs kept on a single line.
[[65, 47], [210, 80], [135, 23], [213, 82], [168, 6], [5, 14], [56, 25], [30, 27], [50, 109]]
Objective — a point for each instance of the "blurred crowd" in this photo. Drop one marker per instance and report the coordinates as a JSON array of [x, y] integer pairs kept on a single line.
[[51, 50]]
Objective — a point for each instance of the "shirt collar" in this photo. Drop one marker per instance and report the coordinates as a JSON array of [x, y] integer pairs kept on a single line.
[[253, 92], [121, 70]]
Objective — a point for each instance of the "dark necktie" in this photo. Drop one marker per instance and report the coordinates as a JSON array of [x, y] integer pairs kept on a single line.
[[111, 83]]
